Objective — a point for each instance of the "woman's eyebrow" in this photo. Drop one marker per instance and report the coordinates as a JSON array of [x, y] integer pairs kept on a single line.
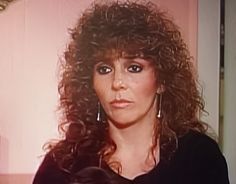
[[102, 61]]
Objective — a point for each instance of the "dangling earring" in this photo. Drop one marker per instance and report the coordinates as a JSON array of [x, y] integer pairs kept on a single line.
[[159, 113], [99, 119]]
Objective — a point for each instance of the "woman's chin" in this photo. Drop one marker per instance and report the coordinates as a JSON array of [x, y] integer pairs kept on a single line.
[[121, 123]]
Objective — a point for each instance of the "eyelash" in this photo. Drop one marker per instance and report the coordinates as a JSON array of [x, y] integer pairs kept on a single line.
[[133, 68], [103, 69]]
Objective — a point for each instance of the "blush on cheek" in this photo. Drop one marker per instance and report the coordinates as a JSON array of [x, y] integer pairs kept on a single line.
[[146, 85]]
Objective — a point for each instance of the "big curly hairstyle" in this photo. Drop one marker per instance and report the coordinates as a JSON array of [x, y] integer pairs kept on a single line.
[[139, 30]]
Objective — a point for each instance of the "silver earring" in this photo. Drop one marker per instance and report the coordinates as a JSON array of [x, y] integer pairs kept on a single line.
[[159, 113], [99, 119]]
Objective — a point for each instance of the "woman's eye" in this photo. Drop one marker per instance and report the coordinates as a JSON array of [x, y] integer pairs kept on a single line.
[[103, 69], [135, 68]]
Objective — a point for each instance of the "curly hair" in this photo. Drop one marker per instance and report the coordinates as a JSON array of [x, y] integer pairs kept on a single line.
[[140, 30]]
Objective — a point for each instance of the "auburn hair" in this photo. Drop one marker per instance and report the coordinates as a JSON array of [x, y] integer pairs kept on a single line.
[[137, 29]]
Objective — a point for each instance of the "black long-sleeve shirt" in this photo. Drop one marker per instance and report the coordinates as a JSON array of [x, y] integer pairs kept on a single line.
[[198, 160]]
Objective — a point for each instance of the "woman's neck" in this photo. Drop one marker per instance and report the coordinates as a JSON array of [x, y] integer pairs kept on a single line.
[[135, 151], [134, 137]]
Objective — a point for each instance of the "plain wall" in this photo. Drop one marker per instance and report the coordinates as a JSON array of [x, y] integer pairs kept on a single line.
[[33, 36], [209, 58], [229, 109]]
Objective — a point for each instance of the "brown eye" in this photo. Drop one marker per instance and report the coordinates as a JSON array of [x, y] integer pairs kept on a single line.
[[135, 68], [103, 70]]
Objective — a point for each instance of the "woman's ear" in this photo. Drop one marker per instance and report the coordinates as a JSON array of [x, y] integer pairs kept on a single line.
[[160, 89]]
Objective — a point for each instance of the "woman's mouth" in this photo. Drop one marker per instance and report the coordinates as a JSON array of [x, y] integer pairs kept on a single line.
[[122, 103]]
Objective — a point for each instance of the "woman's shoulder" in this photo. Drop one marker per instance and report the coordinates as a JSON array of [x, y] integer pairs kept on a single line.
[[195, 139], [199, 145], [49, 172], [200, 156]]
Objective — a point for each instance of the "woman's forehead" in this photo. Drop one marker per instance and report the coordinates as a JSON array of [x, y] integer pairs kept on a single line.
[[114, 54]]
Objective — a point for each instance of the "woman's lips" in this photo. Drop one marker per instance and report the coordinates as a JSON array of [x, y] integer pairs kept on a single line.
[[120, 103]]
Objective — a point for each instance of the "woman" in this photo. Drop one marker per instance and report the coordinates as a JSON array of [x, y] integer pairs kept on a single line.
[[130, 103]]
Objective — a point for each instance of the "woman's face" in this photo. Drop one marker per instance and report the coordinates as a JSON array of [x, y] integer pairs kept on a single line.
[[126, 89]]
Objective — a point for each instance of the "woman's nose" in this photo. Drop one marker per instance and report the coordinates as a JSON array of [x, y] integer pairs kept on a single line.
[[119, 81]]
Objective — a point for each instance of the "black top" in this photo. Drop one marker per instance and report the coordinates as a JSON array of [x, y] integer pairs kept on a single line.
[[198, 160]]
